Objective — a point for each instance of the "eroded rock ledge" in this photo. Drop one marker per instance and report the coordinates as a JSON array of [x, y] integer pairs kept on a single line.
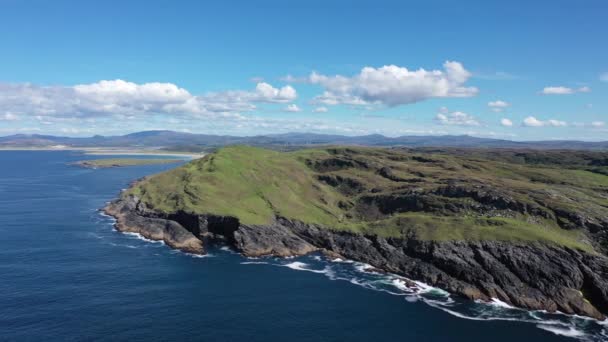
[[533, 276]]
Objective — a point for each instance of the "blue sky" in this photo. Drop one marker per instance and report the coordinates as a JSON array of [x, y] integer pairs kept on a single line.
[[522, 70]]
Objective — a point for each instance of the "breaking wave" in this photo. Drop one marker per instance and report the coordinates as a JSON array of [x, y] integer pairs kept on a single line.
[[366, 276]]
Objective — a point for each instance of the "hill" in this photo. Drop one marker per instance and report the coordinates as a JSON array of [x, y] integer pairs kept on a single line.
[[519, 226]]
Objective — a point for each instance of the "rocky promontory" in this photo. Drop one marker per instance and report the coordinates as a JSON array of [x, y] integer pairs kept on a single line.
[[533, 276], [537, 243]]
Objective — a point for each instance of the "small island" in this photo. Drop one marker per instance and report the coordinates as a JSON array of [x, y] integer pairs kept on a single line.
[[122, 162]]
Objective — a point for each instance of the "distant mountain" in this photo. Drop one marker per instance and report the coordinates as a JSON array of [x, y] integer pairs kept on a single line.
[[165, 138]]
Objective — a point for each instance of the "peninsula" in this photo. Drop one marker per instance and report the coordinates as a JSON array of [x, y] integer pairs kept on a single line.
[[122, 162], [527, 227]]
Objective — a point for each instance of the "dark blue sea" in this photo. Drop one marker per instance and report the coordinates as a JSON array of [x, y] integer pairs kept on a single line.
[[67, 275]]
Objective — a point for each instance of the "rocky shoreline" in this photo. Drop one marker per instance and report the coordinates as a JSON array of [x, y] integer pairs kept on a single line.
[[527, 275]]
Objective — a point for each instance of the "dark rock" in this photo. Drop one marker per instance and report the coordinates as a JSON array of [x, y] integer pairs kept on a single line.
[[533, 276]]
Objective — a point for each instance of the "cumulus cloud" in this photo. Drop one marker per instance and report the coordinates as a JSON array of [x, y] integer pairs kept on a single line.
[[498, 105], [598, 124], [506, 122], [119, 97], [265, 92], [531, 121], [320, 110], [445, 117], [392, 85], [292, 108], [564, 90]]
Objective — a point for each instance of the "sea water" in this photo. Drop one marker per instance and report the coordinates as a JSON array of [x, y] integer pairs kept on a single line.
[[67, 275]]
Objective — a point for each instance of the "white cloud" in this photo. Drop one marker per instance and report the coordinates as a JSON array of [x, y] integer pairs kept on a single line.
[[564, 90], [531, 121], [445, 117], [118, 97], [557, 90], [392, 85], [584, 89], [498, 105], [267, 93], [320, 110], [598, 124], [292, 79], [331, 99], [604, 77], [292, 108], [556, 123], [506, 122], [9, 117]]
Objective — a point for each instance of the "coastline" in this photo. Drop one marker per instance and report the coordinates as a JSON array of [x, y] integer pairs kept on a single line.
[[480, 271]]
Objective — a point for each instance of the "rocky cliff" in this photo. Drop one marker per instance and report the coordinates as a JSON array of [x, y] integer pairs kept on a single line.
[[528, 275]]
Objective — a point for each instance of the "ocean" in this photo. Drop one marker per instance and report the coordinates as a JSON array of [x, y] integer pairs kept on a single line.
[[67, 275]]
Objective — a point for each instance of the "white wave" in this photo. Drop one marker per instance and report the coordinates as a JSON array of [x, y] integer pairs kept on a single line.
[[97, 236], [498, 303], [414, 291], [300, 266], [556, 326], [344, 261], [356, 281], [426, 288], [193, 255], [119, 245], [441, 306], [141, 237], [254, 263], [569, 331], [603, 323], [228, 250], [401, 285], [362, 267], [101, 213]]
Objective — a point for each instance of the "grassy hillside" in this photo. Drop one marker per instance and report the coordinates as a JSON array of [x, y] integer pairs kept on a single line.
[[432, 195]]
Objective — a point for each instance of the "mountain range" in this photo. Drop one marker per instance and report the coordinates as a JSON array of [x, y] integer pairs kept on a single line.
[[190, 141]]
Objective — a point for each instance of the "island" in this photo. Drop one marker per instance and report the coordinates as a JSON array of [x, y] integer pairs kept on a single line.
[[527, 227], [121, 162]]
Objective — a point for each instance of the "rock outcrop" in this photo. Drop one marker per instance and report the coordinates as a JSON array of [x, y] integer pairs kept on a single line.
[[129, 219], [528, 275]]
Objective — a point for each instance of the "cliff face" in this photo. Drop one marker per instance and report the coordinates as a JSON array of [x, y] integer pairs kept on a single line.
[[130, 218], [527, 275]]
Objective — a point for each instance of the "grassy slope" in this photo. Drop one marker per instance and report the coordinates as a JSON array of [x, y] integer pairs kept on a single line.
[[249, 183], [255, 184]]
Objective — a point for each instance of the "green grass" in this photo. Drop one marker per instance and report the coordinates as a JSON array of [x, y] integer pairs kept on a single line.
[[438, 228], [250, 183], [120, 162], [256, 185]]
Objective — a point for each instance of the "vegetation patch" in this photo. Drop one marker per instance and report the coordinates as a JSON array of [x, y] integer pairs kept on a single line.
[[434, 195]]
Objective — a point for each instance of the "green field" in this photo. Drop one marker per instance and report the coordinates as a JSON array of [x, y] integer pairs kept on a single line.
[[391, 192]]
